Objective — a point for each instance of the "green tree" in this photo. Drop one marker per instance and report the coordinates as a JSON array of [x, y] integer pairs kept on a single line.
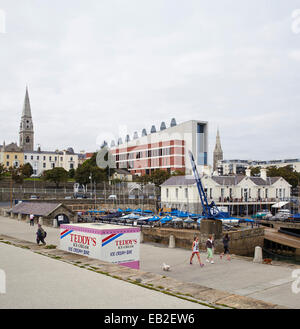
[[27, 170], [159, 176], [56, 175], [178, 173], [255, 171], [16, 175], [88, 168], [71, 173], [286, 172], [2, 171]]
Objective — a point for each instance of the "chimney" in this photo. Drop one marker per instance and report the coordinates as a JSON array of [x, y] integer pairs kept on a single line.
[[263, 173], [248, 172]]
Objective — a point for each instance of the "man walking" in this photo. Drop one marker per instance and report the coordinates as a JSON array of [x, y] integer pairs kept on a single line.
[[40, 235]]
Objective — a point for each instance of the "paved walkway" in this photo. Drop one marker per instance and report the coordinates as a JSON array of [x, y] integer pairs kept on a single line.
[[36, 281], [240, 276]]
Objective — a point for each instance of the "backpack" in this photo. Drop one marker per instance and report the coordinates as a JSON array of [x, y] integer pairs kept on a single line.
[[45, 234]]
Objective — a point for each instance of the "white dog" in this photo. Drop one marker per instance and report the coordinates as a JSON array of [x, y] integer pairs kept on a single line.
[[165, 267]]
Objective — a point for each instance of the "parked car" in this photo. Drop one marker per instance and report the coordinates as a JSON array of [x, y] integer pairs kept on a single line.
[[112, 197], [33, 197]]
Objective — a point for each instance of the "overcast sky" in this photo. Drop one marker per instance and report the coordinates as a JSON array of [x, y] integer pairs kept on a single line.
[[97, 67]]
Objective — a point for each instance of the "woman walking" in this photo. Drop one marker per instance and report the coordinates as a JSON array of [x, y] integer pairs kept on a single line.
[[209, 247], [226, 240], [195, 251]]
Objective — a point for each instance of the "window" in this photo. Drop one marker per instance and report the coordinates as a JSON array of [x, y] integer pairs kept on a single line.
[[61, 159], [55, 159], [7, 164], [7, 156], [44, 165], [266, 192], [167, 192], [16, 157], [31, 157], [177, 193], [44, 158], [50, 158], [71, 166], [186, 193], [27, 139], [53, 165], [25, 157], [210, 193], [222, 193], [38, 158]]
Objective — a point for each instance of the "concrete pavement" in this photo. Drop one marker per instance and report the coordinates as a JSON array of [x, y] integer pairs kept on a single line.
[[240, 276], [35, 281]]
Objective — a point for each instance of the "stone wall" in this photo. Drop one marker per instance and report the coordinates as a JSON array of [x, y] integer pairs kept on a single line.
[[241, 242]]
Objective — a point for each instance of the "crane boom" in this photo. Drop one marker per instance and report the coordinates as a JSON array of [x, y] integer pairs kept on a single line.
[[209, 210]]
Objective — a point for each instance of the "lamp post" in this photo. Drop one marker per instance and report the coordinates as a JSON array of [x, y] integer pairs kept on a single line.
[[90, 177]]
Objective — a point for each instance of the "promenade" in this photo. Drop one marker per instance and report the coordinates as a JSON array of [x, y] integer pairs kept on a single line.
[[240, 276]]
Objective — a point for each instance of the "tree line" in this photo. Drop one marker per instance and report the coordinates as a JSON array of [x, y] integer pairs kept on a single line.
[[84, 174]]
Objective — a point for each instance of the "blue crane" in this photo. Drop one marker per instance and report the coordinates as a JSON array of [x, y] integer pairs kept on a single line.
[[210, 211]]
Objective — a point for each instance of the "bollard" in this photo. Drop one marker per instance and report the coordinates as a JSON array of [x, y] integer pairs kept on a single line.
[[12, 214], [172, 241], [258, 255]]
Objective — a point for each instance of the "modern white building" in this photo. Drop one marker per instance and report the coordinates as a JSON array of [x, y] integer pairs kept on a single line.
[[165, 149], [236, 192], [46, 160], [229, 167]]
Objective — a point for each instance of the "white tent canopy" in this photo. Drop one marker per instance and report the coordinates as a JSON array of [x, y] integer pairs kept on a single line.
[[280, 204]]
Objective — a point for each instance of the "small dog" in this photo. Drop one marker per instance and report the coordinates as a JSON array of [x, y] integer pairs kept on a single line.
[[267, 261], [165, 267]]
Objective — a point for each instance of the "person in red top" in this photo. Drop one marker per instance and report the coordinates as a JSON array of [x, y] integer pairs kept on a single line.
[[195, 251]]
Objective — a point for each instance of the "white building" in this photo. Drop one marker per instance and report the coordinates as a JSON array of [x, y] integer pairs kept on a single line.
[[232, 191], [229, 167], [165, 149], [46, 160]]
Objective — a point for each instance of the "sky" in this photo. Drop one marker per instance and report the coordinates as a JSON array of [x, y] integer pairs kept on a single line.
[[110, 67]]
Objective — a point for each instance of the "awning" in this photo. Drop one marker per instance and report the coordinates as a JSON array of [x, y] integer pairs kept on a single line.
[[280, 204]]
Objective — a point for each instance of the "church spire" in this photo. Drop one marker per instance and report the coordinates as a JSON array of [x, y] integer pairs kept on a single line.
[[218, 152], [26, 133], [26, 107]]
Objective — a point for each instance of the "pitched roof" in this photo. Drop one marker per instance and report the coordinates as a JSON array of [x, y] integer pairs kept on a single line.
[[221, 180], [35, 208], [179, 180]]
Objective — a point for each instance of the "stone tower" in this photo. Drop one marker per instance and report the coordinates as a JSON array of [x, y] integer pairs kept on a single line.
[[218, 152], [26, 127]]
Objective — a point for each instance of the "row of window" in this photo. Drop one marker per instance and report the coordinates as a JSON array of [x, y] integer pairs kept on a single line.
[[245, 193], [143, 154], [44, 158]]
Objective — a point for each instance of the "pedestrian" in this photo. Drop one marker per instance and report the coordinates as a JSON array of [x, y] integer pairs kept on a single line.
[[40, 235], [31, 220], [226, 240], [195, 251], [209, 247]]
